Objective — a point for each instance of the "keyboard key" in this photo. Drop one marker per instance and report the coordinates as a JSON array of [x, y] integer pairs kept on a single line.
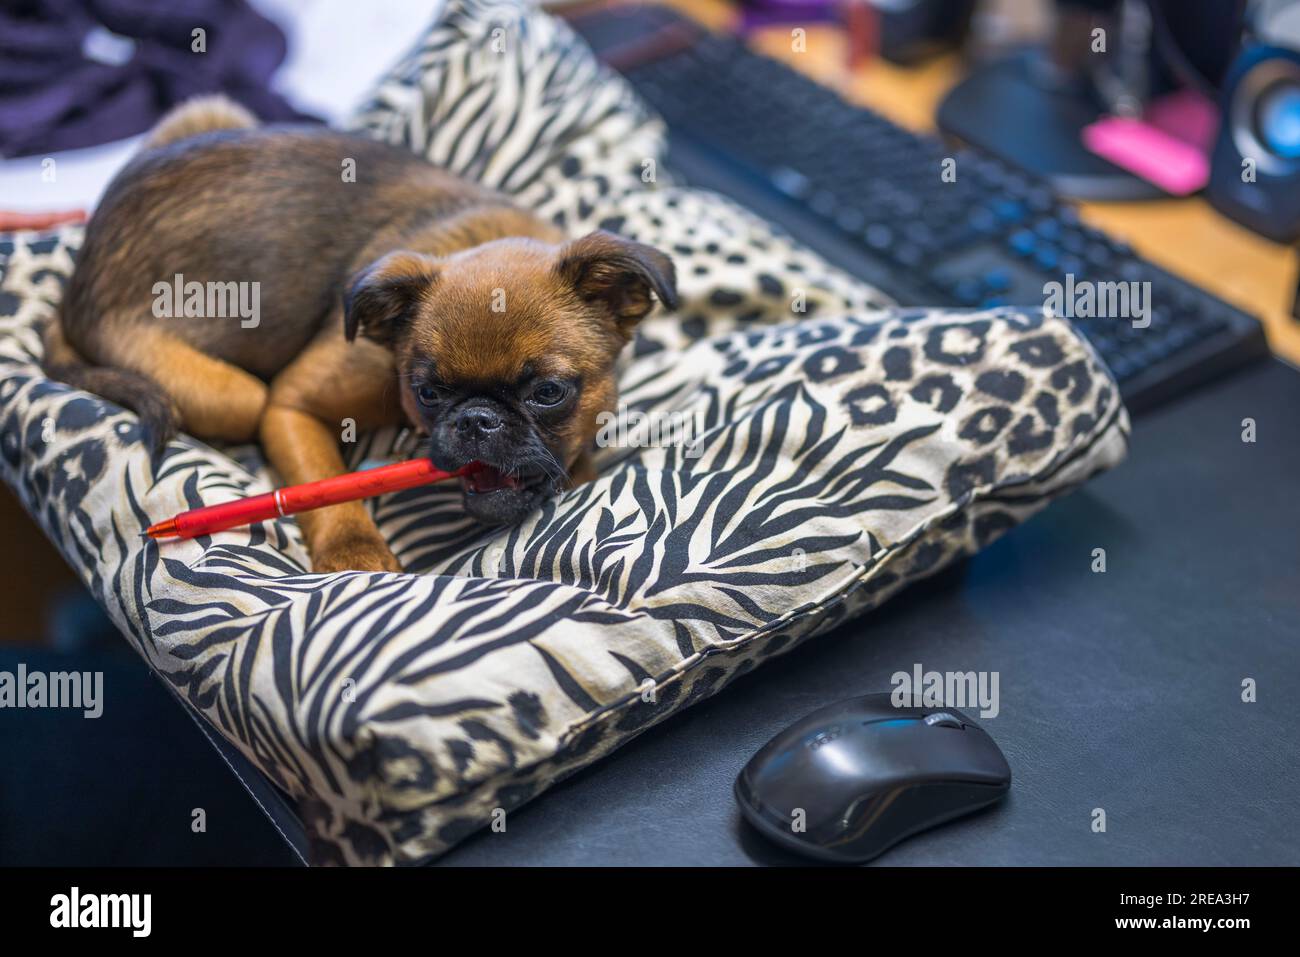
[[879, 236], [968, 292], [1023, 243], [1009, 210], [997, 280], [850, 220], [791, 182]]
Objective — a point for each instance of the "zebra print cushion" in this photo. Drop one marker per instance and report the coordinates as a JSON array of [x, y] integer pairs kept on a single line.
[[837, 457]]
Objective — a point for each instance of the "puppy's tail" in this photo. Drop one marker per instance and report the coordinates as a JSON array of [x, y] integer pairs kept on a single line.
[[203, 114], [131, 390]]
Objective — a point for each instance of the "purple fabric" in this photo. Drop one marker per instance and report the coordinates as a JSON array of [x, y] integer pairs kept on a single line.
[[54, 96], [766, 13]]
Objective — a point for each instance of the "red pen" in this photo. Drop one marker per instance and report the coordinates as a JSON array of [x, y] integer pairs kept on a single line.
[[302, 498]]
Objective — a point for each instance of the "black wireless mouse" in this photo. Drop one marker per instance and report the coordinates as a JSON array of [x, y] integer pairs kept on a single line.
[[853, 779]]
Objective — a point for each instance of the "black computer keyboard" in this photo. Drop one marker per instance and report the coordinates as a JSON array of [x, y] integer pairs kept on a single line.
[[869, 196]]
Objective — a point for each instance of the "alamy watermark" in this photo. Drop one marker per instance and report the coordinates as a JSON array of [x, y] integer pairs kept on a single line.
[[208, 300], [946, 689], [629, 428], [75, 909], [1082, 299], [55, 689]]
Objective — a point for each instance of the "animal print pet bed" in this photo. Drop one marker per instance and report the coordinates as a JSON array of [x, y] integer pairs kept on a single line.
[[835, 450]]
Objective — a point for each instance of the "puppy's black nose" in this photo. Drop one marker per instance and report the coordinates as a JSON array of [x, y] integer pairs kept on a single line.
[[478, 420]]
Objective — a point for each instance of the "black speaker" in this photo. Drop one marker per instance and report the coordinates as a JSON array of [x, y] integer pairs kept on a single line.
[[1255, 169]]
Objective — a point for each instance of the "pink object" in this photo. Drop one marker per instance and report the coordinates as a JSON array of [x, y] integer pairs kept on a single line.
[[1170, 146], [1154, 155], [1187, 116]]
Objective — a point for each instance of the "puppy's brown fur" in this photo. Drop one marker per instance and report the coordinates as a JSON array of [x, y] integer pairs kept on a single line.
[[408, 293]]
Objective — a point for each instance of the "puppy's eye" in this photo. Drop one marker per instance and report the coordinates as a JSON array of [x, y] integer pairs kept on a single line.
[[427, 395], [548, 393]]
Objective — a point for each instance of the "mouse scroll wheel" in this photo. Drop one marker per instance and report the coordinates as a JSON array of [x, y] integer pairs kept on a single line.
[[943, 720]]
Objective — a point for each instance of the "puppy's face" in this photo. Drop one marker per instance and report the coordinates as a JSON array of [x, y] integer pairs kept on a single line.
[[506, 352]]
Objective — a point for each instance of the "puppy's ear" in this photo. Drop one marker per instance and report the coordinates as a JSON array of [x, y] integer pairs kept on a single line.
[[379, 299], [620, 275]]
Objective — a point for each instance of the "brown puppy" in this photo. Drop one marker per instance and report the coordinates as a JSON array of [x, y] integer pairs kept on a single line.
[[269, 293]]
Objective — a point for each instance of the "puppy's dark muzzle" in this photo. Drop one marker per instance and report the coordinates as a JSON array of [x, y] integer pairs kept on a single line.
[[477, 423], [477, 431], [507, 488], [495, 496]]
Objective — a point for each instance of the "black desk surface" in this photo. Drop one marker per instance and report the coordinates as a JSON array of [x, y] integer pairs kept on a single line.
[[1120, 690]]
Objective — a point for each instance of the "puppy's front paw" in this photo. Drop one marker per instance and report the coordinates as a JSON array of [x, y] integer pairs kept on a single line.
[[355, 554]]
